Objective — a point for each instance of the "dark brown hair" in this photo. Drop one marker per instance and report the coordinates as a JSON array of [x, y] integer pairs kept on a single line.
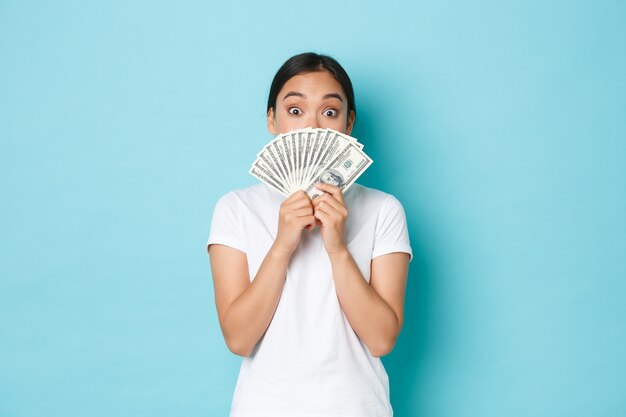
[[310, 62]]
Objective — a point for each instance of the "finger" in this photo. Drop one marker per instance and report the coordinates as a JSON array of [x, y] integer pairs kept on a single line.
[[305, 211], [330, 189], [306, 221], [296, 195], [298, 204], [298, 201], [322, 216], [332, 201], [333, 215], [328, 209]]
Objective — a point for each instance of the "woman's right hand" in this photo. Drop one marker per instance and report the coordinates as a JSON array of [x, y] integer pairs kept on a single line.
[[295, 215]]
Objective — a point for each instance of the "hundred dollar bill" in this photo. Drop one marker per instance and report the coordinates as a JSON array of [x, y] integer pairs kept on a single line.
[[281, 153], [319, 141], [309, 141], [342, 171], [262, 172], [269, 158], [294, 160], [293, 140], [299, 137], [334, 146], [285, 141], [323, 155], [348, 138]]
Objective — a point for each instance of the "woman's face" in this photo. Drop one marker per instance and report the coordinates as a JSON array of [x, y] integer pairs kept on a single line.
[[313, 99]]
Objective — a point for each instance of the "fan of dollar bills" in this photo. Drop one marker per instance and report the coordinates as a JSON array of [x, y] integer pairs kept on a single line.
[[298, 159]]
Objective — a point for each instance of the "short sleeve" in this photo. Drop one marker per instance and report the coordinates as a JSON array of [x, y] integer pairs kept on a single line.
[[391, 234], [226, 228]]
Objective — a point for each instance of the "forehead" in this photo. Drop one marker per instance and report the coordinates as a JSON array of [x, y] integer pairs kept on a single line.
[[311, 84]]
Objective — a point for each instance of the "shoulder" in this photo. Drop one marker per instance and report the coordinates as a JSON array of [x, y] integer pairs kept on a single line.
[[390, 224], [252, 192], [254, 197], [372, 197]]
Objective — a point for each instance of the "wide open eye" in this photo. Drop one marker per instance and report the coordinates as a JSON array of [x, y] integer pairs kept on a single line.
[[295, 111], [330, 112]]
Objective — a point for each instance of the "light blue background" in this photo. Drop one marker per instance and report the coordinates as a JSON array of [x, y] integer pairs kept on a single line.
[[501, 126]]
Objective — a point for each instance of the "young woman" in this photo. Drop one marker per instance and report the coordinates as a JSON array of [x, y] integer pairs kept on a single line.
[[310, 292]]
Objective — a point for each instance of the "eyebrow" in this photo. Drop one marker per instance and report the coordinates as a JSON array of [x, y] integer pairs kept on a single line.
[[293, 93], [297, 94], [335, 95]]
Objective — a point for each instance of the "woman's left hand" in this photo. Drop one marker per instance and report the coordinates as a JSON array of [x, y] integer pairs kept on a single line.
[[330, 210]]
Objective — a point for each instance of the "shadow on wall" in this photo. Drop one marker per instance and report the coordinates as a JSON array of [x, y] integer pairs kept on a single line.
[[387, 126]]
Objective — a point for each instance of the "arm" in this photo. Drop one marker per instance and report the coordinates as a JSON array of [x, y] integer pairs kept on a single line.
[[375, 310], [245, 309]]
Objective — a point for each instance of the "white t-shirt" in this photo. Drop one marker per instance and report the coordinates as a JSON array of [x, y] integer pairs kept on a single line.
[[310, 362]]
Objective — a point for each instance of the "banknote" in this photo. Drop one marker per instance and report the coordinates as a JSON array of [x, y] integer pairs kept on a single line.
[[342, 171], [298, 159]]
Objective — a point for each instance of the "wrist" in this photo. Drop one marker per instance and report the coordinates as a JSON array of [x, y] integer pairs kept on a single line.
[[276, 250], [338, 254]]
